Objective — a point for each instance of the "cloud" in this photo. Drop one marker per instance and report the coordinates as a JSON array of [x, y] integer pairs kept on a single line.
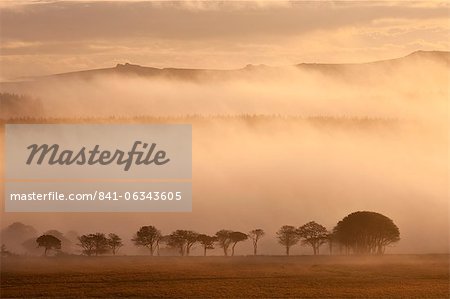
[[168, 20], [223, 34]]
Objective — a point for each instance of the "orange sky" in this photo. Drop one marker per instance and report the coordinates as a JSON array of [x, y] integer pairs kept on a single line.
[[273, 172], [44, 37]]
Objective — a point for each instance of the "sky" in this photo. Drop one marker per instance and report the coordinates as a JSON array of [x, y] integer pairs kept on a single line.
[[289, 172], [46, 37]]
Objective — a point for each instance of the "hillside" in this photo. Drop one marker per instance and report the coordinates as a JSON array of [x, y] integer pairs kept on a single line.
[[127, 69]]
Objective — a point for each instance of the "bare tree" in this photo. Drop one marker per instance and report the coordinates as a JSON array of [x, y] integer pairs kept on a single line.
[[313, 234], [288, 236], [147, 236], [255, 235]]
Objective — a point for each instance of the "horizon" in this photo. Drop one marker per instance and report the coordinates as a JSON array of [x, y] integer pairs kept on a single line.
[[128, 63], [132, 64]]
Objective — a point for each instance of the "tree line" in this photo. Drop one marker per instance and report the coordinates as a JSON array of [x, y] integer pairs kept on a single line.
[[358, 233]]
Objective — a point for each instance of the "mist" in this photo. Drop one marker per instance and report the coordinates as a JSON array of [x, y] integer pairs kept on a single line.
[[321, 144], [414, 87]]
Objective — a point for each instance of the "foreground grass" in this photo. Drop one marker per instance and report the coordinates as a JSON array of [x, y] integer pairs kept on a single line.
[[406, 276]]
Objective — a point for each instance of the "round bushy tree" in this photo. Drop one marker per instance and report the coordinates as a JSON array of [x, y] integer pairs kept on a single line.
[[366, 232]]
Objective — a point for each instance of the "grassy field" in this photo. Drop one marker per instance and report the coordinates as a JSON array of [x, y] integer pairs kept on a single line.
[[390, 276]]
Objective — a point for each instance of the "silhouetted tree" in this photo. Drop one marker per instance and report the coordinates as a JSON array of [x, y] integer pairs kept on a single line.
[[100, 243], [183, 240], [207, 242], [191, 238], [65, 242], [147, 236], [55, 233], [48, 242], [114, 242], [313, 234], [235, 238], [288, 236], [177, 240], [366, 232], [255, 235], [94, 244], [87, 244], [224, 240]]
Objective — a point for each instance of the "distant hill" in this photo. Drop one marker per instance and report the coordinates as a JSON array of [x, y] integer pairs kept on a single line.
[[142, 71], [31, 97], [440, 57], [127, 69]]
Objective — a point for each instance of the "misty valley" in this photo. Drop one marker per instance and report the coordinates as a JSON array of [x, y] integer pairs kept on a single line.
[[224, 149], [274, 155], [375, 142]]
